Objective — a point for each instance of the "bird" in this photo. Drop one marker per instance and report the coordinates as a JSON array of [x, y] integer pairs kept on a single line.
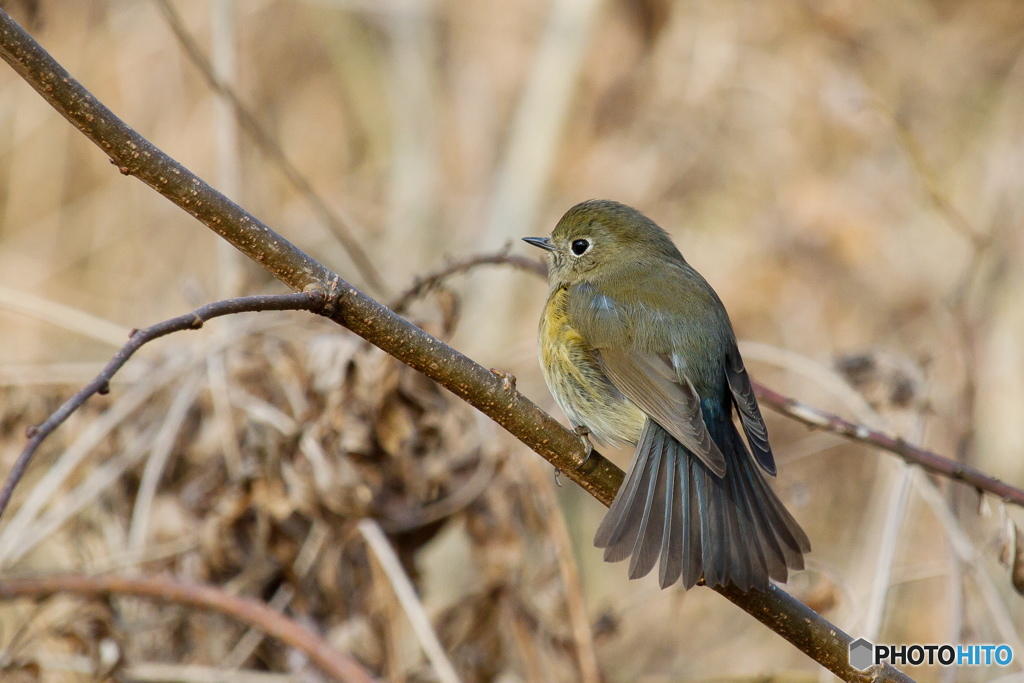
[[638, 350]]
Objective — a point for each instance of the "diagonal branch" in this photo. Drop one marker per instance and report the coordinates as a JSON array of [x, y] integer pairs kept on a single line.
[[493, 395]]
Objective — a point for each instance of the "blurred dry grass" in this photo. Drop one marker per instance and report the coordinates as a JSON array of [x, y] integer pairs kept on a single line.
[[849, 176]]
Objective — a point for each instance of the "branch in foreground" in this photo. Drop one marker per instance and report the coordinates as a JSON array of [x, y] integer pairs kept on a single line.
[[495, 396], [250, 612], [309, 301]]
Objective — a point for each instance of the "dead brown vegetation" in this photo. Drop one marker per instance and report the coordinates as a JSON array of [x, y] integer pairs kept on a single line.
[[809, 157]]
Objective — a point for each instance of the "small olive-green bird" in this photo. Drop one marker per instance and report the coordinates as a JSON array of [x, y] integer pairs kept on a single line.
[[638, 349]]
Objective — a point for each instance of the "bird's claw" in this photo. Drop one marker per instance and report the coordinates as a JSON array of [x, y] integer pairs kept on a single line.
[[584, 433], [558, 482]]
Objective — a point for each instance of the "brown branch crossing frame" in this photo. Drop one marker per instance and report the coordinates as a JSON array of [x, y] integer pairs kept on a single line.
[[491, 394]]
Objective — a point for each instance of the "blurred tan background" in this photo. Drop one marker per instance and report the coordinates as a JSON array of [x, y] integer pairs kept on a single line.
[[848, 176]]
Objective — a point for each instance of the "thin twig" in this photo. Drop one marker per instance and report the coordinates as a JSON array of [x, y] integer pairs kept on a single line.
[[16, 539], [915, 455], [245, 610], [825, 377], [134, 155], [424, 284], [969, 292], [307, 301], [266, 142]]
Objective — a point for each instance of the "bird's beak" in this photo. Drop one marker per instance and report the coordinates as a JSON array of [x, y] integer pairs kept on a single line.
[[542, 242]]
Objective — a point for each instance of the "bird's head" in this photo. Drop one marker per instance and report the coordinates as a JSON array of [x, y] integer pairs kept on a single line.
[[600, 237]]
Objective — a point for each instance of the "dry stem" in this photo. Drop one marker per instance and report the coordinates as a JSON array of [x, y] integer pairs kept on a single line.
[[338, 225], [250, 612]]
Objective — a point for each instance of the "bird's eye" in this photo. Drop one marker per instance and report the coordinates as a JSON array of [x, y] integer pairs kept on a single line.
[[579, 247]]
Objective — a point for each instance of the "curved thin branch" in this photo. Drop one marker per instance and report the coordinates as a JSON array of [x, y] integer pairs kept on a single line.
[[308, 301], [250, 612], [915, 455], [424, 284], [492, 394]]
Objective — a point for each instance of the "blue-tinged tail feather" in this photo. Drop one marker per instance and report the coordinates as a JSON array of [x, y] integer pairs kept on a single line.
[[730, 530]]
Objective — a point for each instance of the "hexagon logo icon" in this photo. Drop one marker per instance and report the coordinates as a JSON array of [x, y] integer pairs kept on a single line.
[[861, 654]]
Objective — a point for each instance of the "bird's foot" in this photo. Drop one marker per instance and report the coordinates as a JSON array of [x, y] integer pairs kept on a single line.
[[584, 433]]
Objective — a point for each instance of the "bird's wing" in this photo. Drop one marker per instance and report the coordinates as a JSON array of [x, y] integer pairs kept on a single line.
[[651, 383], [750, 414], [647, 377]]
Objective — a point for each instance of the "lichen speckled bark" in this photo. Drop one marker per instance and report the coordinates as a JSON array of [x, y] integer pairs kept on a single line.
[[491, 393]]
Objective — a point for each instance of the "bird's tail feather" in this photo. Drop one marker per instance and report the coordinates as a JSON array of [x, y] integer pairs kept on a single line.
[[730, 529]]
